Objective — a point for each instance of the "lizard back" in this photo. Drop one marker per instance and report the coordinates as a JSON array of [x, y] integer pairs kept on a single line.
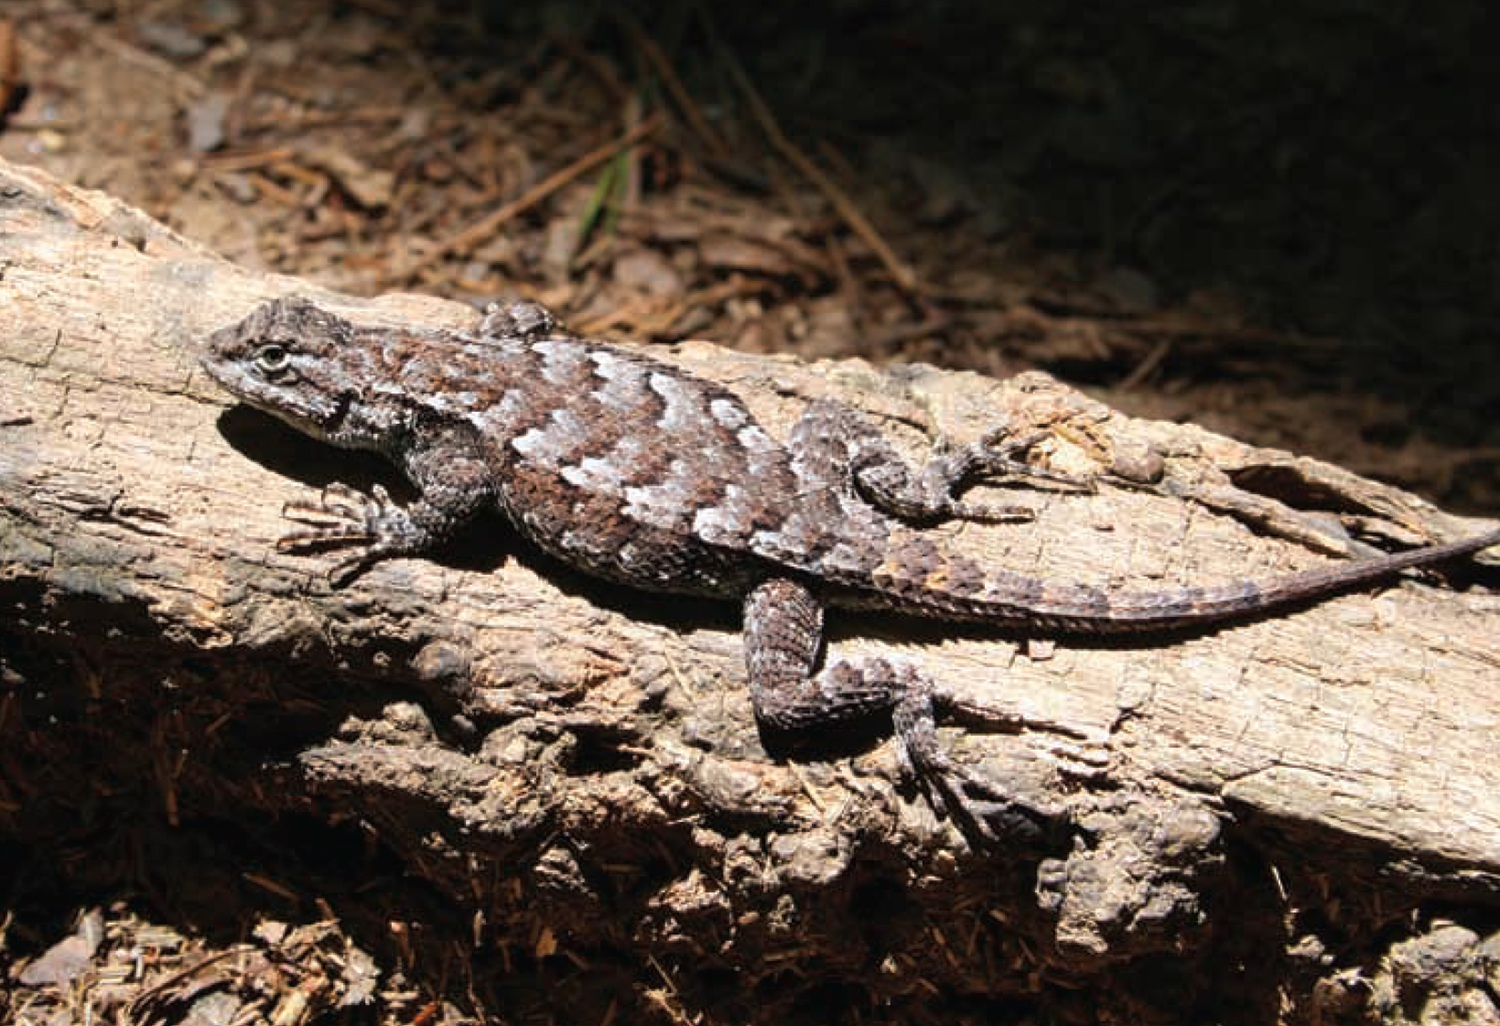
[[637, 471]]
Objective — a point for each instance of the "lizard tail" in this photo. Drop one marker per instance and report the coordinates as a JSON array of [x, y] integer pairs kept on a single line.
[[920, 578]]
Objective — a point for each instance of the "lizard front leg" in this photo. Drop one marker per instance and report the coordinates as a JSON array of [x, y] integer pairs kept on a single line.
[[453, 482], [783, 635]]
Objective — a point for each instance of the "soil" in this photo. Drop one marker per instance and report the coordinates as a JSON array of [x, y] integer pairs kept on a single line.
[[1280, 225]]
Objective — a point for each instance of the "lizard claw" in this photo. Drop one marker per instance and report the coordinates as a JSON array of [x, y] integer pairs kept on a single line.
[[995, 814], [931, 494], [999, 452], [996, 456], [372, 527], [340, 516]]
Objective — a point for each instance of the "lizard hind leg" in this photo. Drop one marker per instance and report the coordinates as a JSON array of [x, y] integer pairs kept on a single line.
[[783, 637], [836, 443]]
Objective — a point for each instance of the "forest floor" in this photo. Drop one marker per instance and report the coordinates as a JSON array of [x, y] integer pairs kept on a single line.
[[1284, 230]]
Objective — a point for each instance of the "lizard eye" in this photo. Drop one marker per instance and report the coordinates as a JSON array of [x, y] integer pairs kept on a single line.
[[272, 359]]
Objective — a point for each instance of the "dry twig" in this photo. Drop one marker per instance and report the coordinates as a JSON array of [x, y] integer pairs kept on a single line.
[[899, 272], [472, 236], [684, 100]]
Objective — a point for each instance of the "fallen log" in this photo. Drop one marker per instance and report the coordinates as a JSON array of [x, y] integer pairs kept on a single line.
[[566, 776]]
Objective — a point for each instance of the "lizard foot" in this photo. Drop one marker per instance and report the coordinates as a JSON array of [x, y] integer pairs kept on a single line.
[[343, 516], [930, 494], [995, 813]]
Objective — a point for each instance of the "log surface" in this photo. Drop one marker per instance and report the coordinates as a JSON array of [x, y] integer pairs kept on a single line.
[[540, 744]]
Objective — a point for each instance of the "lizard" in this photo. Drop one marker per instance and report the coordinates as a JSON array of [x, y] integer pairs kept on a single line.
[[638, 472]]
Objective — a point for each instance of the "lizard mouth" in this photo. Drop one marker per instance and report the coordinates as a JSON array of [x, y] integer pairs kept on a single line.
[[341, 407], [321, 418]]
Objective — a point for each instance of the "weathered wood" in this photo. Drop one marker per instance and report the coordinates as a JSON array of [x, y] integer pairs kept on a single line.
[[518, 734]]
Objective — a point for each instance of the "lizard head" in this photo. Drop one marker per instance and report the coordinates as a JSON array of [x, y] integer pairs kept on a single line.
[[286, 358]]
